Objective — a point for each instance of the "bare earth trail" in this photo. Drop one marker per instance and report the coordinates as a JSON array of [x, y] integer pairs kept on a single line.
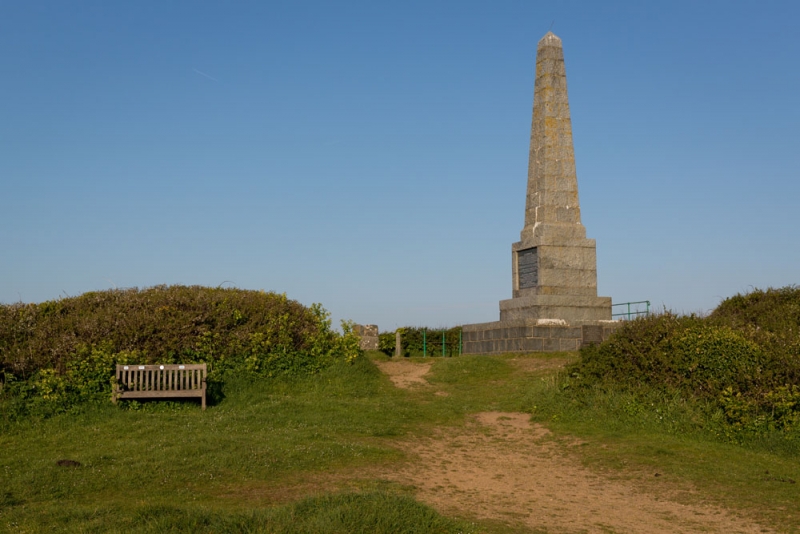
[[502, 467]]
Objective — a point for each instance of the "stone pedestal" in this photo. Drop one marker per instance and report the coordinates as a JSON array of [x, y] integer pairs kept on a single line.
[[529, 335], [573, 310]]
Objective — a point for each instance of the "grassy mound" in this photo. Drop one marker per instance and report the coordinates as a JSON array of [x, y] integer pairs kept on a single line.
[[743, 359], [64, 351]]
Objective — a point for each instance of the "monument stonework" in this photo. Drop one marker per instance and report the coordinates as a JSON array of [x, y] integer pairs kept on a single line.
[[554, 304]]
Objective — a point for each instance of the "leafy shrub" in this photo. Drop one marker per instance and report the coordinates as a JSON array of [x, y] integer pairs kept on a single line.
[[776, 311], [387, 342], [744, 358], [635, 354], [63, 352], [706, 360]]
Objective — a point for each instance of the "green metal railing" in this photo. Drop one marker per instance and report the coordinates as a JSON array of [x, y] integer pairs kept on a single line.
[[631, 313], [444, 343]]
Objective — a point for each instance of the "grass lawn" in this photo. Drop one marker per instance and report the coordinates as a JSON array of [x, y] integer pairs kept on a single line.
[[300, 456]]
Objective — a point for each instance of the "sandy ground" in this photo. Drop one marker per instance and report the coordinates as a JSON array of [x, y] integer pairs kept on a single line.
[[405, 374], [502, 467]]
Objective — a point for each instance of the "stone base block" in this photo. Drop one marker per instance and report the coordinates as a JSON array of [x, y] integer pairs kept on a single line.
[[368, 334], [568, 268], [531, 336], [576, 310]]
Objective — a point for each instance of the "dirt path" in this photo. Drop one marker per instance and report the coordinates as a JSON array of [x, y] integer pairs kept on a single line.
[[502, 467], [405, 374]]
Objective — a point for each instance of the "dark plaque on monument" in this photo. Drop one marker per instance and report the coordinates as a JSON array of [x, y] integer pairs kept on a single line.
[[528, 268]]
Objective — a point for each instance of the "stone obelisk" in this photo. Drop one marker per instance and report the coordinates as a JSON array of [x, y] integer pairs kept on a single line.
[[554, 265]]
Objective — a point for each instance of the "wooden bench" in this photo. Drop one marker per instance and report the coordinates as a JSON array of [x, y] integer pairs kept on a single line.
[[161, 382]]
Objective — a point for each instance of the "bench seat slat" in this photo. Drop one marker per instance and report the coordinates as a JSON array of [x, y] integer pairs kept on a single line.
[[161, 394]]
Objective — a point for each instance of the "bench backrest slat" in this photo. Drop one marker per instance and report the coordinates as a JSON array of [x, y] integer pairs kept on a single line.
[[162, 377]]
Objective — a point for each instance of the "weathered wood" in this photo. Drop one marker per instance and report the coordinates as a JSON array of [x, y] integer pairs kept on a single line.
[[161, 381]]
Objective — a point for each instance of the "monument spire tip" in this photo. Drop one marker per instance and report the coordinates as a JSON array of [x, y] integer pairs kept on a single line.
[[550, 39]]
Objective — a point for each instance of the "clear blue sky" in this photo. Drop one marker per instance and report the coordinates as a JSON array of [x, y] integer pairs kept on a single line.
[[372, 156]]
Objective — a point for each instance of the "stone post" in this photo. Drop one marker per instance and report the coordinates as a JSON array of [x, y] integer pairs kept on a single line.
[[398, 343]]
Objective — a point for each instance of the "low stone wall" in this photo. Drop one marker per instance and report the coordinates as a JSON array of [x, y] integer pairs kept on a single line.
[[520, 336]]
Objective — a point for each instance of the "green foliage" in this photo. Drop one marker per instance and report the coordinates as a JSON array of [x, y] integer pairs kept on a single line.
[[634, 354], [743, 359], [56, 354], [419, 341], [387, 342], [87, 378], [773, 310], [708, 359], [349, 344]]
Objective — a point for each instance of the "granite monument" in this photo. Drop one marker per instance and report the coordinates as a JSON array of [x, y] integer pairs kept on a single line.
[[554, 304]]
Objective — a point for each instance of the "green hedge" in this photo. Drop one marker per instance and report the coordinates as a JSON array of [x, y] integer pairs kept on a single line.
[[744, 358], [64, 351]]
